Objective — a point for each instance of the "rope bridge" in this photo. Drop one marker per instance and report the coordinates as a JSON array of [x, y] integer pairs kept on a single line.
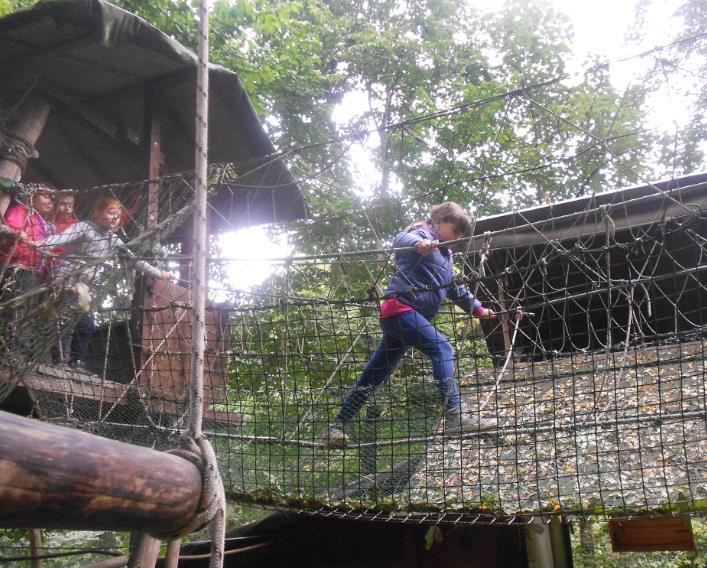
[[593, 372]]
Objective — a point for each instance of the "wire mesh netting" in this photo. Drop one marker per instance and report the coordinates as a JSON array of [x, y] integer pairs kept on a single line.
[[591, 377]]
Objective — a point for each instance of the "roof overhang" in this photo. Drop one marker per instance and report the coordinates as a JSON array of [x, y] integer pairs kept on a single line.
[[628, 207]]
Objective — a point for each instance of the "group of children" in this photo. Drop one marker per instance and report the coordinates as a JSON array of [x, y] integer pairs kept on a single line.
[[50, 244]]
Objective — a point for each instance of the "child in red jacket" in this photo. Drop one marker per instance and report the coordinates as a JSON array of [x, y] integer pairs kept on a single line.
[[23, 267]]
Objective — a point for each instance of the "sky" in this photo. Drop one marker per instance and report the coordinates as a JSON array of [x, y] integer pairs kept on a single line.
[[600, 28]]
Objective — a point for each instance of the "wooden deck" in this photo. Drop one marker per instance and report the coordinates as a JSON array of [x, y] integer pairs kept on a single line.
[[49, 385]]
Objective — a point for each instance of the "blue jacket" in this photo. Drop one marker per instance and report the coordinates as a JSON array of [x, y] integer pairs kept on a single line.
[[424, 282]]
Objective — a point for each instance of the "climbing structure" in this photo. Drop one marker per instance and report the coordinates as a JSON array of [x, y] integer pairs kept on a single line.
[[594, 371]]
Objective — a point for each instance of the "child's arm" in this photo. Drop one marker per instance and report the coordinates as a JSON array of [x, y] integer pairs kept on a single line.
[[463, 298], [148, 270], [71, 234], [423, 246]]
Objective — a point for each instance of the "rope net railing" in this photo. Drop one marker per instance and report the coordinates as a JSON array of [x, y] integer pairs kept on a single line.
[[592, 375]]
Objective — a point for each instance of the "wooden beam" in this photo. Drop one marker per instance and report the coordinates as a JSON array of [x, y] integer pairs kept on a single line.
[[30, 122], [101, 125], [55, 477]]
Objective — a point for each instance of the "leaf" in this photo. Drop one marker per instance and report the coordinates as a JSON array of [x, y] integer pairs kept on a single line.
[[434, 535]]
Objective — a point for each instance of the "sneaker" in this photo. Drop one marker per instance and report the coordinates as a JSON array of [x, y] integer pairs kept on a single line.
[[335, 437], [460, 422], [77, 363]]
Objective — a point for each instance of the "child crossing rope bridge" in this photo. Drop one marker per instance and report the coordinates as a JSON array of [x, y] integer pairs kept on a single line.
[[425, 277]]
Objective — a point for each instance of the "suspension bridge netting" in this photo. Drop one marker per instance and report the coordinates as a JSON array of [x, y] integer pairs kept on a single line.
[[598, 390]]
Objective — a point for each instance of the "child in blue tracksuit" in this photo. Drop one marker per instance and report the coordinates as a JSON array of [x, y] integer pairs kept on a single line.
[[424, 279]]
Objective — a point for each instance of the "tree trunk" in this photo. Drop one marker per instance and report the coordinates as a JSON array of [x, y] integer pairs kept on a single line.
[[586, 539]]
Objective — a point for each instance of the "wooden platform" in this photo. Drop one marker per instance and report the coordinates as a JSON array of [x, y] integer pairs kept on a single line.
[[43, 381]]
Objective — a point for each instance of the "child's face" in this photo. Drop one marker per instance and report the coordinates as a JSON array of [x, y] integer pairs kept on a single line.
[[448, 231], [64, 208], [110, 217], [43, 203]]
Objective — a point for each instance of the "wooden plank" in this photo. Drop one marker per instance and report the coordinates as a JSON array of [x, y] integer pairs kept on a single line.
[[70, 383], [651, 534], [83, 385]]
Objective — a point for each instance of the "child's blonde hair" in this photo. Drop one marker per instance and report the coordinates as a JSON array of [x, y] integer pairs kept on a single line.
[[107, 202], [450, 212]]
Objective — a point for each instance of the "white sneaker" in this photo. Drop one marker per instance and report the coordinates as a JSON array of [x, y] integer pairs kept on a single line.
[[335, 437], [460, 422]]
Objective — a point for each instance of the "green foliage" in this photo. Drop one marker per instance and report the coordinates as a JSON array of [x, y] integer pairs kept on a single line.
[[14, 543], [400, 61]]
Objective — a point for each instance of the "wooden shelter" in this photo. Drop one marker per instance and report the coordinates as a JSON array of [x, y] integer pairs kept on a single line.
[[119, 96], [107, 98]]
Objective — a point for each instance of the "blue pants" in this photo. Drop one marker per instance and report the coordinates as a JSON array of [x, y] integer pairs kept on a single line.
[[81, 336], [400, 333]]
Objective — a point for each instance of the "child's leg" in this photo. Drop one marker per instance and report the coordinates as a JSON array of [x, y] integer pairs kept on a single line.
[[82, 335], [414, 330], [380, 366]]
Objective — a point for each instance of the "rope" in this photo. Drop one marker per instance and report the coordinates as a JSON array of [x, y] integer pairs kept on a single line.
[[16, 148], [509, 354]]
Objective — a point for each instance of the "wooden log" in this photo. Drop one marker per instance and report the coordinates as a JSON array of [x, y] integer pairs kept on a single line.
[[55, 477], [30, 123]]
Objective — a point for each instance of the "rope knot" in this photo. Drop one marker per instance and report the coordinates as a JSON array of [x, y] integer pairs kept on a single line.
[[212, 505], [16, 148]]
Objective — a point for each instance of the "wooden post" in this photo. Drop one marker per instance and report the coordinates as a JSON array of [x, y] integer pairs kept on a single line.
[[538, 545], [55, 477], [144, 553], [155, 160], [561, 543], [172, 559], [29, 124], [35, 547]]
